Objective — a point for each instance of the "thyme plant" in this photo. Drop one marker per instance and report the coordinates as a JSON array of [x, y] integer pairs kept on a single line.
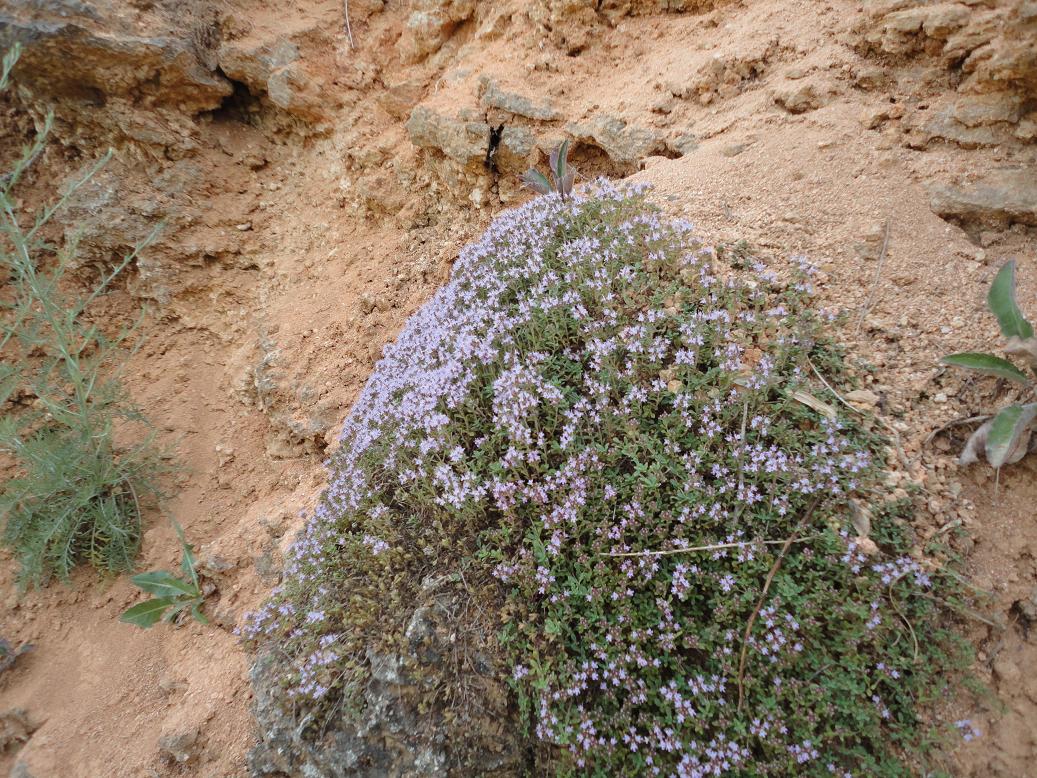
[[616, 439]]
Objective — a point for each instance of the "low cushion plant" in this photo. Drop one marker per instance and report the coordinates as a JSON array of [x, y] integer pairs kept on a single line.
[[615, 435]]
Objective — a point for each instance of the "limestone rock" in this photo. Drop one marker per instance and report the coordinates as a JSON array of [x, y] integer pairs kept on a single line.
[[430, 25], [125, 84], [802, 96], [274, 68], [625, 144], [464, 139], [996, 201], [971, 121], [492, 96], [391, 734]]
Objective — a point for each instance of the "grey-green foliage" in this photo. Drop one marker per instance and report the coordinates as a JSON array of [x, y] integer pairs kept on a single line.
[[75, 495], [173, 594], [563, 175], [1005, 438]]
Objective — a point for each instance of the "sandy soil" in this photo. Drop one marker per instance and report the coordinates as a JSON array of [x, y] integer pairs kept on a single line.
[[339, 251]]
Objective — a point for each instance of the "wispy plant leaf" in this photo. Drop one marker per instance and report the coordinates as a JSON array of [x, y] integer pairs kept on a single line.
[[1001, 300], [976, 443], [987, 364], [1009, 434]]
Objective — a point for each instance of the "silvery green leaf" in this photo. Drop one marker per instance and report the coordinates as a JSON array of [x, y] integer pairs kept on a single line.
[[1009, 435], [987, 364], [537, 181], [1024, 349], [1001, 300]]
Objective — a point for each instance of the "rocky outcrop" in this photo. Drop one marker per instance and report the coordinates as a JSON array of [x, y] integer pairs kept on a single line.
[[273, 68], [430, 25], [625, 144], [124, 85], [401, 725], [984, 49], [997, 201]]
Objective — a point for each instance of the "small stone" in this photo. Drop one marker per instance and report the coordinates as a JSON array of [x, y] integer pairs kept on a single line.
[[367, 302], [1006, 671], [734, 149], [940, 397], [863, 397], [178, 747], [243, 227]]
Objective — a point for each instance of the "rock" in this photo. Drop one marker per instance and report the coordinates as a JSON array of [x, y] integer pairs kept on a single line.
[[625, 144], [178, 747], [492, 96], [1006, 671], [863, 397], [971, 121], [997, 201], [430, 25], [126, 84], [465, 139], [684, 144], [15, 728], [21, 770], [392, 732], [273, 68], [803, 96], [869, 245], [734, 149]]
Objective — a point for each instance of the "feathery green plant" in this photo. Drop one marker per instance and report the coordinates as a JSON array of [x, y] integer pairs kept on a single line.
[[76, 494]]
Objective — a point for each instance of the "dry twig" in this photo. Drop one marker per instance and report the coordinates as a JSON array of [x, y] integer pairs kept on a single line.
[[349, 30], [763, 596]]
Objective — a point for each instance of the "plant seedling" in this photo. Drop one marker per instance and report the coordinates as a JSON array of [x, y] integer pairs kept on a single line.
[[174, 594], [1005, 438], [563, 175]]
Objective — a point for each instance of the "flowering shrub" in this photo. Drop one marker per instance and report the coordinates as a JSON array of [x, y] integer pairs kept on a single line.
[[607, 433]]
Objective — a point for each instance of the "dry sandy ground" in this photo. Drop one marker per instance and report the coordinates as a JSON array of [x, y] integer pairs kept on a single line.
[[321, 285]]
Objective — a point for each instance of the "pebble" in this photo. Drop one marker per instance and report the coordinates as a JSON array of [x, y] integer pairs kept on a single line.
[[244, 226], [863, 397]]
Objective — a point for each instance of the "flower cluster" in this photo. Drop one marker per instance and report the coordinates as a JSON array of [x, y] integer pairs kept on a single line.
[[604, 419]]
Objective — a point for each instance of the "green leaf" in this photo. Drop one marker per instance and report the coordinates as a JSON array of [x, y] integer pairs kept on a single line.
[[1001, 300], [559, 163], [147, 613], [1008, 436], [164, 584], [988, 364]]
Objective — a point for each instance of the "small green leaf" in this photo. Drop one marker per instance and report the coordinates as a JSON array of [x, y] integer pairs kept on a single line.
[[559, 163], [1001, 300], [1009, 434], [147, 613], [164, 584], [988, 364]]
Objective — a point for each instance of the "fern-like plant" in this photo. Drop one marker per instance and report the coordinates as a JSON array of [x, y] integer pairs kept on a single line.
[[1005, 437], [75, 495]]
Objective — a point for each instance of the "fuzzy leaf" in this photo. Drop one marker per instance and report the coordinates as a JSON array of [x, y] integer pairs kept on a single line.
[[559, 161], [537, 181], [987, 364], [1001, 300], [164, 584], [976, 443], [148, 613], [566, 184], [1009, 434], [1024, 349]]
